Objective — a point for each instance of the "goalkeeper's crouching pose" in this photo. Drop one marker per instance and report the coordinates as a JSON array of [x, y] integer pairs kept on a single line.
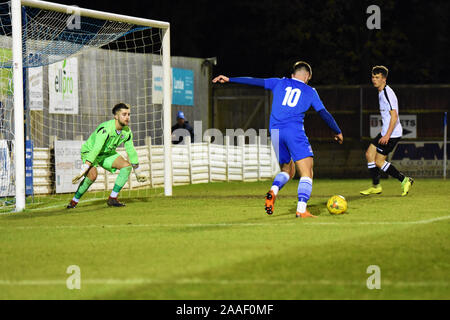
[[100, 150]]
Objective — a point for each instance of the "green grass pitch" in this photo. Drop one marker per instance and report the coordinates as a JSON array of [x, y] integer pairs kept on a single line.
[[214, 241]]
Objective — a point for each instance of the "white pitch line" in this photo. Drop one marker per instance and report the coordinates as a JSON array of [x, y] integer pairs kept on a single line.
[[425, 221], [180, 225], [198, 281], [206, 225]]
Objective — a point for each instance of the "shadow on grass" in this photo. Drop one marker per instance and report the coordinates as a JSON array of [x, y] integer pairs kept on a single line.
[[82, 208], [319, 208]]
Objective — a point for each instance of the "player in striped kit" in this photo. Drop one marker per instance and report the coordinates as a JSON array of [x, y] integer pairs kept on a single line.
[[390, 135], [291, 99]]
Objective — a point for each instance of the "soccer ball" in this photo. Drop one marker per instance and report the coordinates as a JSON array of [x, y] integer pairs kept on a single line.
[[337, 205]]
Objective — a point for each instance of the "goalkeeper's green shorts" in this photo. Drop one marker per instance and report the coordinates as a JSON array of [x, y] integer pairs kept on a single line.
[[105, 161]]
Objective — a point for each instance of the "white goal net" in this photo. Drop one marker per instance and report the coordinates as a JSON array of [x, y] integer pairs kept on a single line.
[[77, 64]]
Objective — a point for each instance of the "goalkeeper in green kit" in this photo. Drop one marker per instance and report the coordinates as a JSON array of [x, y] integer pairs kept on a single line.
[[100, 150]]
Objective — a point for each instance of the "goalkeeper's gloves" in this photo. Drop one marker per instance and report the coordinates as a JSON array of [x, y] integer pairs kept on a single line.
[[84, 169], [140, 177]]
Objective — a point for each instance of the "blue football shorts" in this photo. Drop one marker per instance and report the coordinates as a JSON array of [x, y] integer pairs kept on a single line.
[[290, 143]]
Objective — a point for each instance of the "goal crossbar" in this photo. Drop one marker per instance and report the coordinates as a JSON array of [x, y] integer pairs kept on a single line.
[[95, 14]]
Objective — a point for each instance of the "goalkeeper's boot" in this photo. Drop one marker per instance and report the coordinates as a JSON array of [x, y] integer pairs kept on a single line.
[[270, 201], [72, 204], [113, 202], [372, 190], [406, 185], [305, 214]]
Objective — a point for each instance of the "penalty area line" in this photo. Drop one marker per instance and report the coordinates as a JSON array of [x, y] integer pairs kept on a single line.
[[361, 223], [198, 281]]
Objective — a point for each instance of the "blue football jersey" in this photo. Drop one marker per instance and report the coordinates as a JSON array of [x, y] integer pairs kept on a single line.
[[291, 99]]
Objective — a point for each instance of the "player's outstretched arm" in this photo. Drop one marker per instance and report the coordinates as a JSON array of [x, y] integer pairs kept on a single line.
[[242, 80]]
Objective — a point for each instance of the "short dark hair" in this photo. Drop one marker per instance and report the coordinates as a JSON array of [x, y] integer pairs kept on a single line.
[[119, 107], [380, 69], [302, 65]]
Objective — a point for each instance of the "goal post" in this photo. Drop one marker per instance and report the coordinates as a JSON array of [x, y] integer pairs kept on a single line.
[[19, 145], [167, 115], [48, 35]]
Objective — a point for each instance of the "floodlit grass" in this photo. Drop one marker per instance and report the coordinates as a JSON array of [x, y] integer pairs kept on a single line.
[[214, 241]]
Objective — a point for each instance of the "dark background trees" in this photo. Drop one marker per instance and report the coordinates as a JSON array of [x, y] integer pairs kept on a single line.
[[263, 38]]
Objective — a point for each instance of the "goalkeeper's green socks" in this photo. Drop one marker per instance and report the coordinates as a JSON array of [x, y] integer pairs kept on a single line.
[[82, 188], [122, 178]]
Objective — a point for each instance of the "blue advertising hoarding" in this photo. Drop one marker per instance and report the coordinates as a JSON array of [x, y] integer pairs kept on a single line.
[[28, 167], [183, 87]]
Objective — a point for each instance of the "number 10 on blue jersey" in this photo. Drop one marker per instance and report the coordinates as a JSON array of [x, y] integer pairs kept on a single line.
[[291, 97]]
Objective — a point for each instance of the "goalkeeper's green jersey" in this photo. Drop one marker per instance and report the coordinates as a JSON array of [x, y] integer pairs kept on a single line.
[[104, 141]]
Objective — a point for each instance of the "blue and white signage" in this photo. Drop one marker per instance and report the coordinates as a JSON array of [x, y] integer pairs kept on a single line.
[[182, 86]]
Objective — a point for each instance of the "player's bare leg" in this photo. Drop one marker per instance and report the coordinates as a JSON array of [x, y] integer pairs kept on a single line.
[[287, 173], [88, 180], [305, 167], [372, 157], [125, 169]]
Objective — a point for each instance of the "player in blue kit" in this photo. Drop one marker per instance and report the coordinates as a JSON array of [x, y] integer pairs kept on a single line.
[[291, 99]]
